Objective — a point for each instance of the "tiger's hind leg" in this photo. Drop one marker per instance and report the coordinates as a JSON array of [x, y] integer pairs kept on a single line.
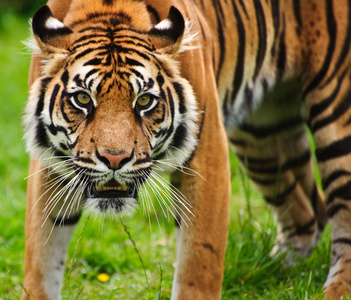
[[330, 116], [278, 160]]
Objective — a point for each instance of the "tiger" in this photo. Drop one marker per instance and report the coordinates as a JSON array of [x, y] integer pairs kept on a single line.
[[121, 90]]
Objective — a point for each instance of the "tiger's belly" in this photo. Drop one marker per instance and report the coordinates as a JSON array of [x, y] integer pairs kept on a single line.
[[280, 111]]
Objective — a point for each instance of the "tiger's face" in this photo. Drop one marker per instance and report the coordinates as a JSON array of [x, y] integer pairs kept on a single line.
[[110, 105]]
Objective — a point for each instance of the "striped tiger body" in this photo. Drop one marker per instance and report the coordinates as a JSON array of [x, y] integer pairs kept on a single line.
[[123, 89]]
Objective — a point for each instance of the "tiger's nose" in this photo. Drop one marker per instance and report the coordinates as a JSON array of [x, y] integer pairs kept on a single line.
[[114, 161]]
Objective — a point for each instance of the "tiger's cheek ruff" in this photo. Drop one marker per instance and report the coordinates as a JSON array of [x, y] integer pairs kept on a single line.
[[42, 134], [175, 138]]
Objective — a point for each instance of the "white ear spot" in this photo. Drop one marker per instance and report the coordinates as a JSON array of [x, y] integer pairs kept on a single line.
[[52, 23], [164, 25]]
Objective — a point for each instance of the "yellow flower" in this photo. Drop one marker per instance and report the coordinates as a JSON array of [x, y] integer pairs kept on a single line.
[[103, 277]]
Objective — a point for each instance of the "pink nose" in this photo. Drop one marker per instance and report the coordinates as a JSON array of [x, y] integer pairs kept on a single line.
[[114, 160]]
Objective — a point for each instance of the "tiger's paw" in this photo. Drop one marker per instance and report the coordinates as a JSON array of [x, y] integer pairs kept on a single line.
[[338, 284], [294, 248], [338, 290]]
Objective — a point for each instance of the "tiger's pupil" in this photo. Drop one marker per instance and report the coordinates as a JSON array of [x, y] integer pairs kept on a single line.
[[144, 100], [83, 98]]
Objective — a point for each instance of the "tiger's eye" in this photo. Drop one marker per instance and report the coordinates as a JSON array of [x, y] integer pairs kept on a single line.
[[144, 100], [83, 98]]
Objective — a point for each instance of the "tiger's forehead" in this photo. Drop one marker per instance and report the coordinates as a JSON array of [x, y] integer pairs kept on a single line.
[[133, 13], [110, 37], [111, 52]]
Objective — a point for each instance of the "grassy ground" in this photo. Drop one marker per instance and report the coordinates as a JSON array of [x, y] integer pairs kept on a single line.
[[104, 247]]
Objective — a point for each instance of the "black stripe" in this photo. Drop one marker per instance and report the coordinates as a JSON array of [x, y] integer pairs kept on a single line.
[[84, 53], [41, 136], [240, 58], [150, 84], [262, 36], [53, 100], [314, 199], [171, 105], [281, 59], [221, 37], [334, 176], [90, 38], [160, 80], [65, 78], [297, 13], [331, 25], [79, 82], [346, 46], [133, 62], [152, 11], [265, 181], [93, 62], [276, 23], [85, 160], [128, 50], [334, 209], [62, 108], [334, 150], [277, 169], [179, 90], [138, 74], [320, 107], [342, 241], [254, 160], [244, 8], [304, 229], [99, 15], [180, 136], [342, 192], [238, 143], [132, 41], [341, 109], [90, 73], [338, 272], [43, 87], [73, 145], [261, 132], [88, 44], [63, 146], [108, 2], [280, 199], [226, 109]]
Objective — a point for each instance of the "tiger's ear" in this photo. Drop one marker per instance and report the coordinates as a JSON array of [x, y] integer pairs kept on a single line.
[[51, 34], [167, 35]]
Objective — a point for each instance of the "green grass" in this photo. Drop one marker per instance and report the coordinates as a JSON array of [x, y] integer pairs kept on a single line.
[[104, 247]]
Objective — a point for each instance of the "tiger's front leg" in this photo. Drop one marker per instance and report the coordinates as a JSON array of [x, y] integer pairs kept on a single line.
[[46, 239], [201, 243]]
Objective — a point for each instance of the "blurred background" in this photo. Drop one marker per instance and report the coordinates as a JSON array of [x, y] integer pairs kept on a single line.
[[22, 7]]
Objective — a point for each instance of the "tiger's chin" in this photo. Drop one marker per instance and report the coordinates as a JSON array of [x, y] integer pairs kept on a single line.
[[111, 198]]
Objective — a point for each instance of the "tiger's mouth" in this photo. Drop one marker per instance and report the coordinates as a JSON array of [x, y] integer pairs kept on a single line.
[[110, 190], [111, 197]]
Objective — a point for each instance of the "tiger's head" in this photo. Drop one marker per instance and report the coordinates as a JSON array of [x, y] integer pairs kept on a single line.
[[110, 105]]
